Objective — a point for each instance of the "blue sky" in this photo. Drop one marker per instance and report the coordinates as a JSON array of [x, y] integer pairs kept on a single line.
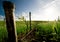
[[40, 9]]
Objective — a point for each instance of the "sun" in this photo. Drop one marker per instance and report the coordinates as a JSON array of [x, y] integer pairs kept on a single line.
[[50, 13]]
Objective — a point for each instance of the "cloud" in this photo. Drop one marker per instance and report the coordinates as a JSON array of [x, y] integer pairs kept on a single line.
[[49, 10], [1, 17]]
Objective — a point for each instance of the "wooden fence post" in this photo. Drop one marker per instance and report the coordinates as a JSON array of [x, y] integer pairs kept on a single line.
[[30, 19], [10, 23]]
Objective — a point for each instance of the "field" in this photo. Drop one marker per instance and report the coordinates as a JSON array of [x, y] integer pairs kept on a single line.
[[45, 31]]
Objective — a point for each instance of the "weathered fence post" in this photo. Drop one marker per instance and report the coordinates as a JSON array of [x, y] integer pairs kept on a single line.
[[30, 19], [9, 9]]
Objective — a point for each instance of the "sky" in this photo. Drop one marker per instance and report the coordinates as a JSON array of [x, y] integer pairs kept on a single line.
[[41, 10]]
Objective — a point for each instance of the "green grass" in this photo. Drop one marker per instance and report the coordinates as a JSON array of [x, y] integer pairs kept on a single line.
[[43, 28], [3, 31]]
